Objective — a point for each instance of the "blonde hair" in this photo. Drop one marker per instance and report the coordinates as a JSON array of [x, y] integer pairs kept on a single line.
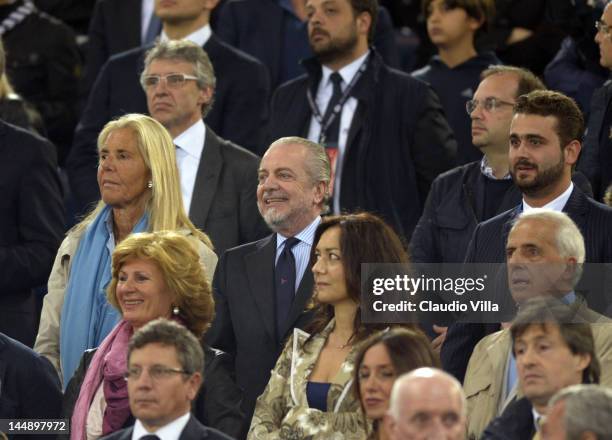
[[165, 205], [179, 263]]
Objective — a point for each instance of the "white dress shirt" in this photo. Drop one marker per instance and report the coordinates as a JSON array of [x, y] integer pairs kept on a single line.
[[199, 37], [557, 204], [147, 10], [189, 147], [171, 431], [324, 94]]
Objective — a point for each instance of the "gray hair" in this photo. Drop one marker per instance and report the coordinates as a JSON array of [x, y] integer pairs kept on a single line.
[[588, 408], [423, 373], [569, 239], [318, 166], [189, 52], [169, 333]]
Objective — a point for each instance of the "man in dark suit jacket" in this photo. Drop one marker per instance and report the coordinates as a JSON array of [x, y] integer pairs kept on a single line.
[[30, 385], [278, 36], [249, 320], [241, 95], [544, 146], [385, 131], [218, 178], [31, 226], [161, 399]]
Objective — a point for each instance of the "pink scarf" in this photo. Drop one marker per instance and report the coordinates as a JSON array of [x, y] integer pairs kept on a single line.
[[106, 368]]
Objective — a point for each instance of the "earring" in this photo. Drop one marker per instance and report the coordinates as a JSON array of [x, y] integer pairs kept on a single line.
[[150, 184], [176, 310]]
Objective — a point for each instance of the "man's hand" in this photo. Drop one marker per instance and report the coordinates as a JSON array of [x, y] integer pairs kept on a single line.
[[436, 343]]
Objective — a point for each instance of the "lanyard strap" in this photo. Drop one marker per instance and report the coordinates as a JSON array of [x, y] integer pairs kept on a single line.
[[17, 16], [325, 124]]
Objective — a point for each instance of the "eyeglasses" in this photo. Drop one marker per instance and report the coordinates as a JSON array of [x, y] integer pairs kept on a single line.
[[602, 27], [489, 104], [173, 80], [156, 372]]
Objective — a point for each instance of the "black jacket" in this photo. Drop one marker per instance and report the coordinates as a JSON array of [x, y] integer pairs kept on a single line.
[[398, 142], [217, 404], [515, 423], [29, 385], [451, 214], [194, 430]]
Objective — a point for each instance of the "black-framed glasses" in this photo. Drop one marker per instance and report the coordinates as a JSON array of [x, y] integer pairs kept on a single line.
[[602, 27], [173, 80], [156, 372], [490, 104]]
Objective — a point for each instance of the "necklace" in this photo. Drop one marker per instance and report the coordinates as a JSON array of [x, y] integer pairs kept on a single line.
[[342, 346]]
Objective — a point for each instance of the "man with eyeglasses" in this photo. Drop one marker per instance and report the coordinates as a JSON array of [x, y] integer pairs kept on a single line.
[[241, 93], [596, 160], [218, 178], [466, 195], [164, 375]]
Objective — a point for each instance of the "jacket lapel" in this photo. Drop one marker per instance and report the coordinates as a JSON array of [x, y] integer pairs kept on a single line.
[[207, 179], [260, 273], [576, 207]]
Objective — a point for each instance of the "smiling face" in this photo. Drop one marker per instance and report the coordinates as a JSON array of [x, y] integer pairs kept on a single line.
[[535, 266], [122, 173], [334, 32], [287, 198], [538, 164], [176, 108], [545, 363], [376, 378], [449, 27], [157, 402], [142, 293]]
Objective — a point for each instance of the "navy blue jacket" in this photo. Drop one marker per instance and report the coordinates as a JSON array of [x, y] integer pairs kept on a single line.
[[596, 158], [398, 142], [29, 385], [455, 86], [515, 423]]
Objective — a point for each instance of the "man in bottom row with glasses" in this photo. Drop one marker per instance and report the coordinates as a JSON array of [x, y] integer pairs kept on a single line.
[[164, 376]]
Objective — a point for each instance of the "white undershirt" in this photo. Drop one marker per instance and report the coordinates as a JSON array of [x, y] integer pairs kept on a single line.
[[199, 37], [190, 145], [557, 204], [324, 94], [148, 7]]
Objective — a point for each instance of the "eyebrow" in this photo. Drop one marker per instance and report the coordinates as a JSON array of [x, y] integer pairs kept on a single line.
[[528, 136]]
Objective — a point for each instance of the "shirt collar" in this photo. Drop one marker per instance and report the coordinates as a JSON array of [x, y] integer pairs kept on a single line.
[[347, 72], [192, 139], [536, 418], [199, 37], [306, 235], [487, 171], [557, 204], [171, 431]]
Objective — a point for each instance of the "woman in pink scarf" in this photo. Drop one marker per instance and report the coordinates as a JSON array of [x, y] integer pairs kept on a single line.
[[154, 275]]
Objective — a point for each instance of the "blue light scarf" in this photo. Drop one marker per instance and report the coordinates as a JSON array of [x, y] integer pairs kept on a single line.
[[87, 317]]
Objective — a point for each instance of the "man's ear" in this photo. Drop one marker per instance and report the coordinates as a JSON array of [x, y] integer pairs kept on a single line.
[[195, 381], [364, 23], [571, 152], [210, 4]]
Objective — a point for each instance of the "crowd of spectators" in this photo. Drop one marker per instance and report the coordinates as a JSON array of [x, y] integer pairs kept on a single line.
[[195, 193]]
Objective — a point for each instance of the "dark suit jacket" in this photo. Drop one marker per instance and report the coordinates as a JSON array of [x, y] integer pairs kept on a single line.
[[245, 319], [488, 245], [224, 201], [398, 142], [257, 27], [515, 423], [194, 430], [217, 403], [31, 226], [104, 40], [29, 385], [238, 113]]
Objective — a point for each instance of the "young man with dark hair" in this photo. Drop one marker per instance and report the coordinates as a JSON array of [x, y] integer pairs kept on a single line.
[[454, 72]]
